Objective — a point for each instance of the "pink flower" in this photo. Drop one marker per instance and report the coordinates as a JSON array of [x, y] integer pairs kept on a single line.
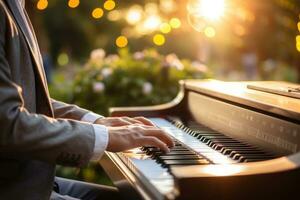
[[97, 54], [106, 72], [147, 88], [138, 55], [98, 87], [112, 58], [173, 61]]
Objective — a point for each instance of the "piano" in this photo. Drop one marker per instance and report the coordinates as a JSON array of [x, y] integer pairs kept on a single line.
[[234, 140]]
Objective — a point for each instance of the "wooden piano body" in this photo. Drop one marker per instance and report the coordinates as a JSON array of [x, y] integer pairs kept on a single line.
[[268, 120]]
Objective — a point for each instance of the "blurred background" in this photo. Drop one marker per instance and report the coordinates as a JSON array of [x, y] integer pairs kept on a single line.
[[104, 53]]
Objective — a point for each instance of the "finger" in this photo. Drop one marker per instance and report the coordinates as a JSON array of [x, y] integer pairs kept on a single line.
[[161, 135], [144, 121], [131, 120], [153, 141], [119, 122]]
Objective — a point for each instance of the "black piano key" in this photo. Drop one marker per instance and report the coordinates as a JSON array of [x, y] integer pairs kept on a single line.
[[228, 150], [243, 156], [226, 145], [185, 162], [157, 154], [182, 157]]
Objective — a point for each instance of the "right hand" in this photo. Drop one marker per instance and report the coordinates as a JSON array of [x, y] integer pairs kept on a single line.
[[128, 137]]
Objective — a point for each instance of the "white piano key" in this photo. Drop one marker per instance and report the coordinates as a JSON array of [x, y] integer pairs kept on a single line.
[[192, 142]]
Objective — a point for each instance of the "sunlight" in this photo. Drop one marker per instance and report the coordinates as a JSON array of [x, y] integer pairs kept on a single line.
[[152, 23], [208, 9], [212, 9], [134, 15], [222, 170]]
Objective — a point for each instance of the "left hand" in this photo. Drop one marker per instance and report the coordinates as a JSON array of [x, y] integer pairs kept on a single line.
[[123, 121]]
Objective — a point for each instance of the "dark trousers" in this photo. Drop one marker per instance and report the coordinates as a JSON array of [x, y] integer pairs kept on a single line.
[[74, 190]]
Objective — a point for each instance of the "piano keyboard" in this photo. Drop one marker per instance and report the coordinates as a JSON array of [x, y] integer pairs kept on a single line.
[[194, 145]]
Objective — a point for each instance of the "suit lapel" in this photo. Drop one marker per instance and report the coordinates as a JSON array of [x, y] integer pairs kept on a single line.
[[25, 27]]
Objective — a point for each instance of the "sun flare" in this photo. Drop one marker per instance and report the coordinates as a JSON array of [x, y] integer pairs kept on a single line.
[[211, 9]]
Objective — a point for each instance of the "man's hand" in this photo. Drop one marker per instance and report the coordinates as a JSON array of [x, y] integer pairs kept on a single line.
[[132, 136], [123, 121]]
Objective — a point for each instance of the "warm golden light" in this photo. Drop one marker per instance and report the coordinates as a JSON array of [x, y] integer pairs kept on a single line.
[[151, 8], [167, 6], [212, 9], [209, 32], [222, 170], [114, 15], [298, 38], [73, 3], [175, 23], [159, 39], [42, 4], [109, 5], [298, 26], [121, 41], [298, 47], [152, 23], [208, 9], [165, 28], [134, 15], [97, 13]]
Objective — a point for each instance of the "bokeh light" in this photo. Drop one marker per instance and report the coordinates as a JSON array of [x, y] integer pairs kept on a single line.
[[298, 43], [63, 59], [165, 28], [175, 23], [209, 32], [134, 14], [167, 6], [151, 23], [109, 5], [208, 9], [42, 4], [114, 15], [73, 3], [121, 41], [151, 8], [97, 13], [298, 26], [159, 39]]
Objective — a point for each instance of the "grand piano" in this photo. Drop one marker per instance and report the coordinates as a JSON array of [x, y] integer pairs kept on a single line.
[[234, 140]]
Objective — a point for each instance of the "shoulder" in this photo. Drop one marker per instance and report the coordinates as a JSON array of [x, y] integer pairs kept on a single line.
[[7, 24]]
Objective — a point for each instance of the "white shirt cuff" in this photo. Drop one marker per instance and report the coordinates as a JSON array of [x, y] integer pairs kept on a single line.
[[101, 135], [101, 141], [90, 117]]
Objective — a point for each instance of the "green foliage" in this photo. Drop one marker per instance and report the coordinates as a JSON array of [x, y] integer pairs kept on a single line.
[[126, 79]]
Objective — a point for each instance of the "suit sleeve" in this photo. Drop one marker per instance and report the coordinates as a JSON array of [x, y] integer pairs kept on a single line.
[[26, 135], [67, 111]]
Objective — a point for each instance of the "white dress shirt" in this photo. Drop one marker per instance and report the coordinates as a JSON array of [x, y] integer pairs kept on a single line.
[[101, 135]]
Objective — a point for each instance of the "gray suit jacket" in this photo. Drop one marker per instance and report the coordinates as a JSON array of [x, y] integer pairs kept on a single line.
[[36, 132]]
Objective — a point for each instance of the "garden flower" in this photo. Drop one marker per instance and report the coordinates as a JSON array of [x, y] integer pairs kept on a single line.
[[97, 54], [112, 58], [98, 87], [147, 88], [138, 55], [199, 66], [173, 61], [106, 72]]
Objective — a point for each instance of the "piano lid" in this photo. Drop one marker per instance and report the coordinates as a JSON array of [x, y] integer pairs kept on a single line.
[[239, 93]]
